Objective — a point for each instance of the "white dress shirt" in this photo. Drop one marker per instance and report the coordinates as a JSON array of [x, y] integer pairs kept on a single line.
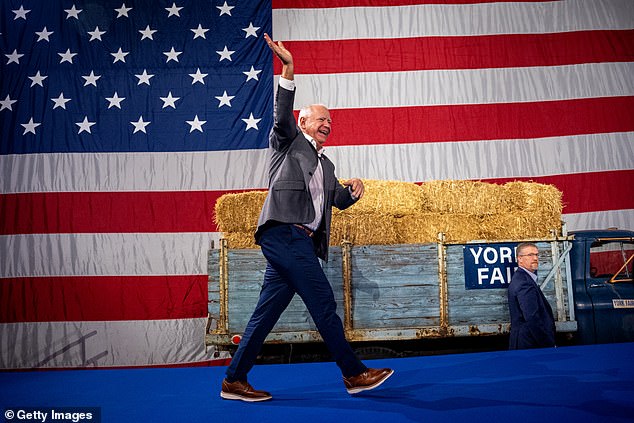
[[316, 184]]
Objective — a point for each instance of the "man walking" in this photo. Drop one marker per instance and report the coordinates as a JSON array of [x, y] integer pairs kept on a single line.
[[293, 231]]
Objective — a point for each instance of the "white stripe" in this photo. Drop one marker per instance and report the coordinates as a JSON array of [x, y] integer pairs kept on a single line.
[[177, 171], [103, 344], [104, 254], [486, 159], [157, 254], [407, 162], [163, 254], [465, 86], [622, 219], [451, 20]]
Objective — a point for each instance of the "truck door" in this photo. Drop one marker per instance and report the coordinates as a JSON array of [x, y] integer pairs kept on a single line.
[[611, 288]]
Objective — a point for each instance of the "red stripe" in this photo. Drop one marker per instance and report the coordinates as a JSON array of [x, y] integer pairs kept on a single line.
[[90, 212], [102, 298], [473, 122], [589, 192], [472, 52], [28, 217], [324, 4]]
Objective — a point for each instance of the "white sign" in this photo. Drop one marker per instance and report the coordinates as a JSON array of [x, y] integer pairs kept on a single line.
[[623, 303]]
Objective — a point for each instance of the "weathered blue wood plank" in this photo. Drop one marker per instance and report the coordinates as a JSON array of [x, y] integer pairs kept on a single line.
[[393, 286], [246, 270]]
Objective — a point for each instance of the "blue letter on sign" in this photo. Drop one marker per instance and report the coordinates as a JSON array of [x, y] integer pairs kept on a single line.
[[488, 266]]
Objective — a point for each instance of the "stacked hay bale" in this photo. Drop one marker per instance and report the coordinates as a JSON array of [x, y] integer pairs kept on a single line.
[[475, 210], [376, 218], [455, 208], [394, 212], [533, 211], [236, 216]]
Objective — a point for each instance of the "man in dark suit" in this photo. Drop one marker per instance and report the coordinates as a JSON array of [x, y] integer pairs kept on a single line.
[[532, 321], [293, 231]]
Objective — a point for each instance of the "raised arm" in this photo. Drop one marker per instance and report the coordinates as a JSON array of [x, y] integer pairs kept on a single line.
[[285, 128], [285, 56]]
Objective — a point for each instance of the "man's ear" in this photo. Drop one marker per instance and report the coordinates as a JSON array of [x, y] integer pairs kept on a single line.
[[302, 122]]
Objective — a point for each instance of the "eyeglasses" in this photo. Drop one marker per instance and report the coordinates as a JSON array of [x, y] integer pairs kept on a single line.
[[530, 255]]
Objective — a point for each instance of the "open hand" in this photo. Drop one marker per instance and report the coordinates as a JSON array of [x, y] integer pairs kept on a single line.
[[280, 51]]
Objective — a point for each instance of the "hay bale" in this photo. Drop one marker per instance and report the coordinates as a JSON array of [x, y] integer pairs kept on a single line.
[[394, 198], [393, 212], [364, 228], [240, 240], [533, 197], [463, 197], [519, 225], [239, 212], [423, 228]]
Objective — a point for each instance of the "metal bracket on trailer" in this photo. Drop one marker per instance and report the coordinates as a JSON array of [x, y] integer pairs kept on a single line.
[[556, 266], [565, 256]]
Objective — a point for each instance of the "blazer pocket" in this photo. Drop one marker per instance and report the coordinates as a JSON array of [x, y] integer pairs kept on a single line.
[[292, 202], [289, 185]]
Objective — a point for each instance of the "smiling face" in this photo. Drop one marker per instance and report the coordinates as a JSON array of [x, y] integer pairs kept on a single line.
[[315, 121]]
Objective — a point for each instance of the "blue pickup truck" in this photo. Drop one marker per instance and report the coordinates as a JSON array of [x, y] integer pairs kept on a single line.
[[601, 268], [391, 294]]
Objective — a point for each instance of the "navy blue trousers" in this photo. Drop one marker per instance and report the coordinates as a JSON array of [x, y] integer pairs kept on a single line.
[[292, 267]]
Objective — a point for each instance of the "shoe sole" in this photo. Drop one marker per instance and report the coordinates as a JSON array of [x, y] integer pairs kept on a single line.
[[369, 387], [227, 395]]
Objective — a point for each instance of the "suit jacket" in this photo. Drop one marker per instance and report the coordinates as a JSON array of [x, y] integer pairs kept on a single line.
[[293, 161], [532, 321]]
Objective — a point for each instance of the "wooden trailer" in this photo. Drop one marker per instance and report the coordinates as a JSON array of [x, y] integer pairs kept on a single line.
[[394, 292]]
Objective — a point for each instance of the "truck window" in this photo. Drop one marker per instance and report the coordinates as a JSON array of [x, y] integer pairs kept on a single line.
[[608, 257]]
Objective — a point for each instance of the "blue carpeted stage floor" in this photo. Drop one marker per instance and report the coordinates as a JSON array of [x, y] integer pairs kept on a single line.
[[570, 384]]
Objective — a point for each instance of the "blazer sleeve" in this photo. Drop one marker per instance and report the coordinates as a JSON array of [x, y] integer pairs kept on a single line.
[[532, 310], [343, 198], [285, 129]]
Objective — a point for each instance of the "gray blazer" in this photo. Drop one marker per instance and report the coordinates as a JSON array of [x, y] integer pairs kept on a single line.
[[293, 161]]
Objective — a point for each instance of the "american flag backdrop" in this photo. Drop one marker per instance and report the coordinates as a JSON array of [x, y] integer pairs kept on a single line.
[[122, 122]]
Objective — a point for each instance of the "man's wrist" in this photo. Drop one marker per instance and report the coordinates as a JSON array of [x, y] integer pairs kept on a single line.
[[288, 71], [287, 84]]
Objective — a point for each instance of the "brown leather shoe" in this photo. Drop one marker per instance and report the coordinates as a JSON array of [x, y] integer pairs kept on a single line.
[[367, 380], [242, 391]]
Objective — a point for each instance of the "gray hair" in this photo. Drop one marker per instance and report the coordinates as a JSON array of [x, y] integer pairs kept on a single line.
[[305, 111], [522, 246]]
